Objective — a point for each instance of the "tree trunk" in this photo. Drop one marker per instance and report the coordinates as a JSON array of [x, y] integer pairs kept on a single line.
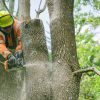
[[11, 6], [12, 84], [2, 5], [24, 10], [34, 42], [65, 85], [35, 54]]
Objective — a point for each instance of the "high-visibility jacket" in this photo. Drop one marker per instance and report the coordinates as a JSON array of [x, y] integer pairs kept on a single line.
[[11, 41]]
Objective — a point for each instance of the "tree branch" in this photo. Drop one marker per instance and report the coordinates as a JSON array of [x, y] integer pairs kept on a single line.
[[93, 69], [40, 10]]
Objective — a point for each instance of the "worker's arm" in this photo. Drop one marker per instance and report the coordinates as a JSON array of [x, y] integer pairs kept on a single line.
[[19, 44], [10, 59], [19, 52], [3, 50]]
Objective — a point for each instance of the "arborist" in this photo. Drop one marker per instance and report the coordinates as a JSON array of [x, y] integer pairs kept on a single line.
[[10, 40]]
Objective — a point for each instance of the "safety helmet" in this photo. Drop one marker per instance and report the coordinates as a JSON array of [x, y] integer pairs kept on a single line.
[[5, 19]]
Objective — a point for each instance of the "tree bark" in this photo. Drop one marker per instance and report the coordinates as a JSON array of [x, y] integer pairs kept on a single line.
[[66, 86], [1, 5], [36, 57], [34, 42], [24, 10], [11, 6]]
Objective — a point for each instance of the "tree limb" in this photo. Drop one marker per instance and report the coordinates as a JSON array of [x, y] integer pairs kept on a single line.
[[93, 69], [40, 10]]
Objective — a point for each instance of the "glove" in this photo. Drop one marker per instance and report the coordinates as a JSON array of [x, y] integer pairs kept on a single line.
[[19, 57], [11, 61]]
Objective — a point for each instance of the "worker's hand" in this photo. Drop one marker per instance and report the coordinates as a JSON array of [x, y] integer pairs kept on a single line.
[[11, 60], [19, 54], [19, 57]]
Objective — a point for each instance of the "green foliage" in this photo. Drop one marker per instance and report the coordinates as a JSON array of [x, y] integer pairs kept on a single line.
[[93, 3], [95, 21], [88, 55], [90, 88], [88, 50], [96, 4], [84, 18]]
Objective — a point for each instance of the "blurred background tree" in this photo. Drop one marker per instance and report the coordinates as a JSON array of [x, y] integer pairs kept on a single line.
[[87, 20]]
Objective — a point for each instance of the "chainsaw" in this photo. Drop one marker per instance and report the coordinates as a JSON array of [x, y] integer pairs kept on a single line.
[[19, 65]]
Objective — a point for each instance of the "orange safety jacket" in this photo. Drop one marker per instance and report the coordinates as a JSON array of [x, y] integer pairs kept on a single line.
[[11, 41]]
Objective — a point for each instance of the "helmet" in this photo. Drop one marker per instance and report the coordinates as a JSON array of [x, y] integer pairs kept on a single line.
[[5, 19]]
